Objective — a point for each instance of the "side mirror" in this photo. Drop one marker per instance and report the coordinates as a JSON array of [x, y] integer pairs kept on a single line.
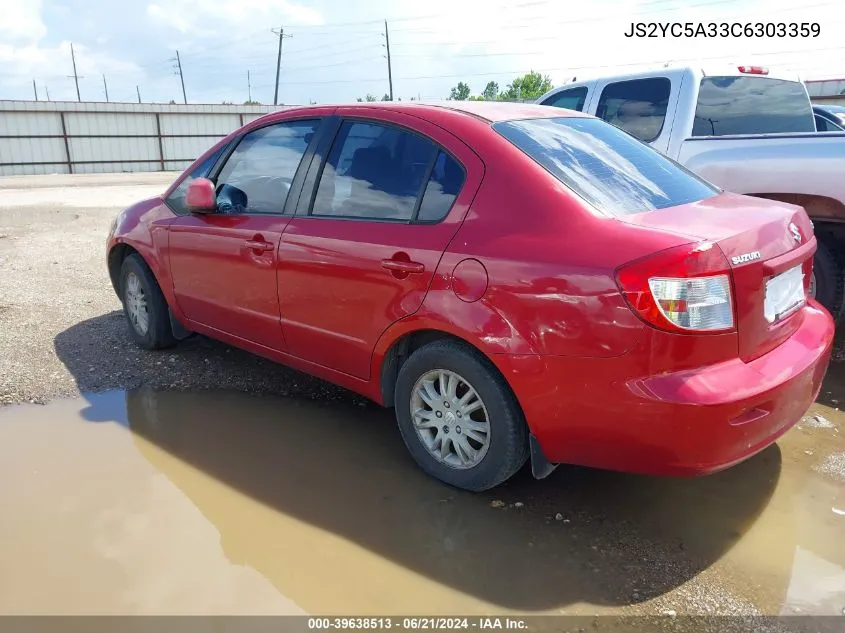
[[201, 197]]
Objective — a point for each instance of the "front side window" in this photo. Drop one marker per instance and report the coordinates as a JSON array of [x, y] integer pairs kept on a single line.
[[176, 200], [572, 99], [608, 168], [258, 175], [751, 105], [637, 106], [373, 171]]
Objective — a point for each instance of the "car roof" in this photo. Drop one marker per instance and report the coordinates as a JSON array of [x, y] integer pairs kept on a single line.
[[488, 111]]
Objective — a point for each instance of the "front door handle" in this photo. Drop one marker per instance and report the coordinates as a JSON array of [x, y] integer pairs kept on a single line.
[[259, 245], [400, 266]]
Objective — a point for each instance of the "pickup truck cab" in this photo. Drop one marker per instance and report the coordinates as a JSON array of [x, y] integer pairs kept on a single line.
[[745, 130]]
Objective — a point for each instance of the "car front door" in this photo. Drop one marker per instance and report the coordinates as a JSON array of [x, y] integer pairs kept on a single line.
[[379, 206], [224, 264]]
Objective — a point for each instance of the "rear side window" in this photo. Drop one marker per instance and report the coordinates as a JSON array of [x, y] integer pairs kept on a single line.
[[751, 105], [637, 106], [572, 99], [447, 178], [176, 200], [611, 170], [377, 172]]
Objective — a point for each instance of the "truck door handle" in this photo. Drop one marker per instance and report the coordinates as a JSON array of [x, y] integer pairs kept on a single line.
[[400, 266], [259, 245]]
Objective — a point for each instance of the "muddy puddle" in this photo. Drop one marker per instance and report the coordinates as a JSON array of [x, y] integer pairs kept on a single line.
[[166, 502]]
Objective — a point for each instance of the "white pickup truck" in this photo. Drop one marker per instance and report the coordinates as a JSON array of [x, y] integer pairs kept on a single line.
[[744, 130]]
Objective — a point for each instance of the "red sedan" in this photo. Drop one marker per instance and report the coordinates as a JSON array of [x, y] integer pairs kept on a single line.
[[517, 281]]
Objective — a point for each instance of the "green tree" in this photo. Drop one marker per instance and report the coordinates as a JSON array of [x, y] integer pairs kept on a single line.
[[386, 97], [476, 98], [370, 98], [252, 102], [491, 91], [460, 92], [530, 86]]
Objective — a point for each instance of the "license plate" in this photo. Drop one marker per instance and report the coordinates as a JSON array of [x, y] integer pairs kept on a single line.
[[784, 294]]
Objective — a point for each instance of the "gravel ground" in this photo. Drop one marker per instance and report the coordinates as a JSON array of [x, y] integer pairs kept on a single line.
[[61, 325]]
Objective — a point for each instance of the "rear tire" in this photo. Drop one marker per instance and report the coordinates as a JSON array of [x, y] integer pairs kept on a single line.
[[493, 455], [829, 280], [144, 305]]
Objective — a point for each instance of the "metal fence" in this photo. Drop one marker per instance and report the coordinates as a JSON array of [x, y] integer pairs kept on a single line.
[[46, 137]]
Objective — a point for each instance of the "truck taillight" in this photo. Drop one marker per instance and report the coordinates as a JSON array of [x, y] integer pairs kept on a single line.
[[754, 70], [684, 289]]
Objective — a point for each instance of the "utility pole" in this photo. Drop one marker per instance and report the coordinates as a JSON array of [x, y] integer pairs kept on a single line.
[[47, 90], [106, 88], [138, 90], [248, 86], [178, 70], [75, 75], [35, 90], [389, 72], [282, 36]]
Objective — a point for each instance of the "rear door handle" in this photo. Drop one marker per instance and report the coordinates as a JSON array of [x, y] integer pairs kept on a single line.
[[399, 266], [259, 245]]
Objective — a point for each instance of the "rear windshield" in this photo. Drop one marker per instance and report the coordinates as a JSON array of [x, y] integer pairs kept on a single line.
[[751, 105], [607, 167]]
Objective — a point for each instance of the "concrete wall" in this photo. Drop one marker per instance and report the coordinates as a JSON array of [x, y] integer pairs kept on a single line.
[[54, 137]]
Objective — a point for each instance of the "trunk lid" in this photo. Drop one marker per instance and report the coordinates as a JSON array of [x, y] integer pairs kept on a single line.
[[764, 241]]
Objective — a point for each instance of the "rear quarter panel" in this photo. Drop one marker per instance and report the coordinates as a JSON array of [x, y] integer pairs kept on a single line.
[[549, 263]]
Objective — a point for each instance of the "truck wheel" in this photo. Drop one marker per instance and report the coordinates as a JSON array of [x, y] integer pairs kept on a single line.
[[826, 283], [458, 417]]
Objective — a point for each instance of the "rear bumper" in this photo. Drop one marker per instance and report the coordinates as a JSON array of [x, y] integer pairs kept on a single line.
[[592, 412]]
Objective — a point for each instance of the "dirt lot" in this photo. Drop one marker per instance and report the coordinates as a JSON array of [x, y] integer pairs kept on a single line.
[[204, 479]]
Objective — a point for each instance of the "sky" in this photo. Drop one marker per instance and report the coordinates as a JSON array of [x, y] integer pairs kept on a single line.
[[336, 50]]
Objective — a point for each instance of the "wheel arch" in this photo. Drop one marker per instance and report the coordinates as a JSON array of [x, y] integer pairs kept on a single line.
[[398, 344], [117, 254]]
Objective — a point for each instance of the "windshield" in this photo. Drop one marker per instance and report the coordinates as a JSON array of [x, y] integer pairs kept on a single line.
[[607, 167], [751, 105]]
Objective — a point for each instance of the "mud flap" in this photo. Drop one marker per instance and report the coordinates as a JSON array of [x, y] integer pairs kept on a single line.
[[179, 331], [540, 466]]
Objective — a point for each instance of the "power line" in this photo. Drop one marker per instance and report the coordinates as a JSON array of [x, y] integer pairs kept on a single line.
[[568, 68]]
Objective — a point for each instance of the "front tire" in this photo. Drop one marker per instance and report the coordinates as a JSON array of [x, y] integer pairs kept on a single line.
[[458, 417], [144, 305]]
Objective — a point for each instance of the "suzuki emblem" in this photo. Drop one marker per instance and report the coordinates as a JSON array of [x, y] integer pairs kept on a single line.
[[796, 234]]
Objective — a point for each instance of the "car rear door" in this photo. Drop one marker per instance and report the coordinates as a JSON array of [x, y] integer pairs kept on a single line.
[[381, 201], [224, 264]]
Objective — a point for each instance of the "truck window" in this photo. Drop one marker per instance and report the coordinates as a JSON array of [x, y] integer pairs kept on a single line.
[[572, 99], [751, 105], [637, 106], [608, 168]]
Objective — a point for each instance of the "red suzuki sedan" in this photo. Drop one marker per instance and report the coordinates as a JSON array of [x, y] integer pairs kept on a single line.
[[517, 281]]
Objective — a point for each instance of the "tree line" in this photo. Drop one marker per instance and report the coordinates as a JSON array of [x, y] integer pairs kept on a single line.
[[528, 87]]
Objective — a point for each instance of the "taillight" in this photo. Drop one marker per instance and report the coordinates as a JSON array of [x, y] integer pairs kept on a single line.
[[682, 289]]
